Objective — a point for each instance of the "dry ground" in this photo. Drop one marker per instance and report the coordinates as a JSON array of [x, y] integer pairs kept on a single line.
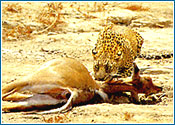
[[71, 30]]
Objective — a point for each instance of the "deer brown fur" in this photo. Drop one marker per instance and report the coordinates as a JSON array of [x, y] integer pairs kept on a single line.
[[66, 81]]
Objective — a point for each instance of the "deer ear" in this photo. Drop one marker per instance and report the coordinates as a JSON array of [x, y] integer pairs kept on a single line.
[[136, 72]]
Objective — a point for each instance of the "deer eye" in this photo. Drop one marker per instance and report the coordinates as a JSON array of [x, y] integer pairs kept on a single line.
[[147, 87], [148, 79]]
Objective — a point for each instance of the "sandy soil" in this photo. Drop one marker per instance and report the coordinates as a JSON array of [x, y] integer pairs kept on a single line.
[[72, 32]]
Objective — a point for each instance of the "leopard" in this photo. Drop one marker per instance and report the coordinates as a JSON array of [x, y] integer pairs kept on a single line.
[[116, 49]]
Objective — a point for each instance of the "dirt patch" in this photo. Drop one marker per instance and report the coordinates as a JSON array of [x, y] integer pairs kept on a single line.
[[36, 32]]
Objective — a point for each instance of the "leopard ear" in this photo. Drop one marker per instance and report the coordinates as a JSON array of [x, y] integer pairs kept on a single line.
[[136, 72], [94, 52]]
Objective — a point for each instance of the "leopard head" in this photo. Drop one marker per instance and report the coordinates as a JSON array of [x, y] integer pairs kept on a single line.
[[107, 58]]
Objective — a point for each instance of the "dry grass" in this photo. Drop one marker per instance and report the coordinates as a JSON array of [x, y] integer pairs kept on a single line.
[[135, 7], [86, 15], [18, 32], [14, 31], [13, 7], [86, 9], [51, 15], [90, 6], [128, 116], [99, 6], [56, 119]]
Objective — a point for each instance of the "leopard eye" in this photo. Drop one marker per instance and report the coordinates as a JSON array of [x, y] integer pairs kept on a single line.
[[94, 52], [96, 67], [116, 58], [119, 53]]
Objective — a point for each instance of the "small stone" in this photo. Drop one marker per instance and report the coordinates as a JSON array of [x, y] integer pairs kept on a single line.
[[166, 56], [52, 33], [149, 57], [158, 57]]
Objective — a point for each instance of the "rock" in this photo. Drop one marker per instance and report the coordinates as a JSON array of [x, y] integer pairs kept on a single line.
[[152, 22], [124, 17]]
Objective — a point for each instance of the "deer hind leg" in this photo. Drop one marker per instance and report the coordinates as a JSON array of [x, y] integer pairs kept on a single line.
[[48, 99], [37, 101], [65, 107]]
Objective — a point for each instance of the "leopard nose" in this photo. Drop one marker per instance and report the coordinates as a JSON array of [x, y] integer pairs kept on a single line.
[[99, 79], [100, 76]]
